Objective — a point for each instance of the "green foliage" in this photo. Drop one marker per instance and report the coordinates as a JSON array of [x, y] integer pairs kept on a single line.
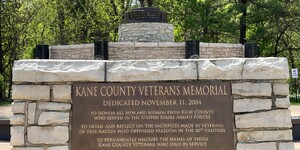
[[293, 99], [205, 20], [5, 103]]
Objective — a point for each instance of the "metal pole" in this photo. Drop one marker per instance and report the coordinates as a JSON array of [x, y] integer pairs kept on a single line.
[[296, 89]]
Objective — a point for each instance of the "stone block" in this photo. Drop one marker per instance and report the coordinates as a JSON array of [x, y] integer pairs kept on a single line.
[[31, 92], [28, 148], [172, 44], [17, 136], [219, 45], [281, 89], [263, 136], [59, 47], [154, 70], [250, 105], [233, 46], [31, 113], [143, 30], [252, 89], [146, 44], [62, 92], [282, 102], [17, 119], [18, 108], [48, 135], [58, 148], [223, 69], [275, 118], [287, 146], [257, 146], [53, 118], [266, 68], [54, 106], [58, 70], [121, 44], [80, 46]]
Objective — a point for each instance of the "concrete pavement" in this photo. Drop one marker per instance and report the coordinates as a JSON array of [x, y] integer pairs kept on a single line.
[[4, 145], [295, 110], [5, 112], [297, 146]]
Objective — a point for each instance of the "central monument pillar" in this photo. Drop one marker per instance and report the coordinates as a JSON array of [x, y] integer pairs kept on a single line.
[[146, 24]]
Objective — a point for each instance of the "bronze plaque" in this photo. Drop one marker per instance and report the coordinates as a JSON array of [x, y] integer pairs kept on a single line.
[[146, 14], [152, 116]]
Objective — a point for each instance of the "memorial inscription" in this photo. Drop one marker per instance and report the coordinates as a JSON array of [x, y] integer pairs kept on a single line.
[[145, 15], [152, 116]]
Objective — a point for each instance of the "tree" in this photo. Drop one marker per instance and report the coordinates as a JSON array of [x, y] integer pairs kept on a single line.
[[205, 20], [243, 22], [15, 19]]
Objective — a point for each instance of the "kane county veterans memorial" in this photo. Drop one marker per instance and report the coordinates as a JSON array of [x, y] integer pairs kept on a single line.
[[152, 115]]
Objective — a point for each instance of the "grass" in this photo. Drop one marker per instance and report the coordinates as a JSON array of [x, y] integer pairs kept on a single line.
[[293, 99], [5, 103], [295, 103]]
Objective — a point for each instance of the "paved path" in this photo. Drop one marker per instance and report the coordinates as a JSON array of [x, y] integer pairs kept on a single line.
[[295, 110], [5, 112], [297, 146], [4, 145]]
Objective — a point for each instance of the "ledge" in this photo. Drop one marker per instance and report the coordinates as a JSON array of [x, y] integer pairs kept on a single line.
[[150, 70], [58, 70], [149, 44]]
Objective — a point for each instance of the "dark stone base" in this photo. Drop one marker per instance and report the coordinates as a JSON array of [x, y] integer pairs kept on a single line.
[[296, 129], [4, 130], [147, 14]]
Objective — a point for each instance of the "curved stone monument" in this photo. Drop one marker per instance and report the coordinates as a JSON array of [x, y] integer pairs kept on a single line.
[[146, 24]]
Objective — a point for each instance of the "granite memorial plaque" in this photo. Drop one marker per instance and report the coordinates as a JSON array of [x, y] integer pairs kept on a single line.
[[152, 116], [149, 14]]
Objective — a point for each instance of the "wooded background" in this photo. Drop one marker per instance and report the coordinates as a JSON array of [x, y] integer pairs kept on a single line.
[[273, 24]]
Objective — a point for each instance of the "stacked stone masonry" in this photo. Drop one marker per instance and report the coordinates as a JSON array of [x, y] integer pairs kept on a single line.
[[145, 50], [42, 114], [146, 32]]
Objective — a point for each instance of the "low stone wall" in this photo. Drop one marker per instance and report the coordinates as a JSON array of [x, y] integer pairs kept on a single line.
[[43, 102], [141, 50]]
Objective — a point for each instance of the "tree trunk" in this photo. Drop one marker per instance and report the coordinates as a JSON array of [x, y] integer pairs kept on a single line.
[[205, 28], [83, 21], [291, 56], [243, 21], [10, 81], [1, 52], [61, 24]]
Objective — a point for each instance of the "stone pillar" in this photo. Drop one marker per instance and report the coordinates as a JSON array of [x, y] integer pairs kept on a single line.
[[146, 32]]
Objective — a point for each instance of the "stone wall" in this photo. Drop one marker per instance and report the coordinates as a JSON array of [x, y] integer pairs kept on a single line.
[[42, 96], [146, 32], [142, 50]]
